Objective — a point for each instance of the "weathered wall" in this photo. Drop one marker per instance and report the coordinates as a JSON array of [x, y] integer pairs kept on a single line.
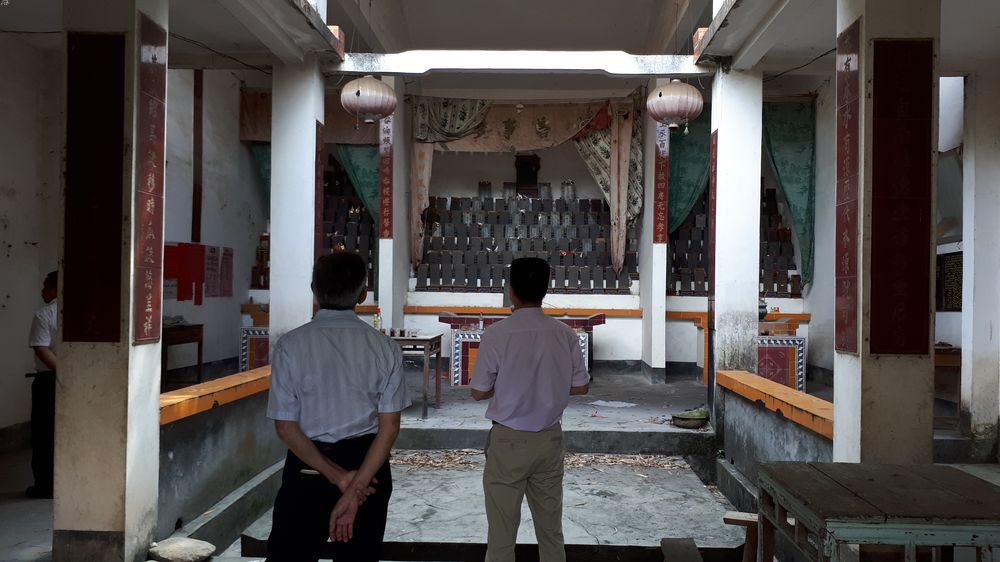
[[30, 120], [206, 456], [818, 299], [234, 204], [752, 435]]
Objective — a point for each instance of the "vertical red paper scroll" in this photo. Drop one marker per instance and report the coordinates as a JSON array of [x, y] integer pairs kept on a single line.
[[385, 177], [149, 154], [848, 136], [661, 185]]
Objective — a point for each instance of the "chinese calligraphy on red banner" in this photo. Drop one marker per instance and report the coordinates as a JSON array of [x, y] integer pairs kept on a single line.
[[149, 154], [661, 187], [385, 177]]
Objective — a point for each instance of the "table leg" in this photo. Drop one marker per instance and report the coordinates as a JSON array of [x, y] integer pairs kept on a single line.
[[199, 360], [427, 361], [437, 380], [765, 542]]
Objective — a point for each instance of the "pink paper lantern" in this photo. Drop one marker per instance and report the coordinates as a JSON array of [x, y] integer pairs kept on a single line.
[[675, 104], [368, 98]]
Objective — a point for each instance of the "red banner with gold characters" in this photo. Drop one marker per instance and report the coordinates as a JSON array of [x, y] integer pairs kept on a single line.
[[661, 187], [848, 135], [149, 155], [385, 177]]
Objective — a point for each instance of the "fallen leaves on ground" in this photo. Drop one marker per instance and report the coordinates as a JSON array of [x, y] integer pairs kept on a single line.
[[472, 458]]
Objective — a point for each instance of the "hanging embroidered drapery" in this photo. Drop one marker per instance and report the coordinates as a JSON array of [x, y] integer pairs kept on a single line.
[[619, 160], [509, 128], [595, 149], [790, 144], [361, 164], [446, 119], [689, 162], [421, 160]]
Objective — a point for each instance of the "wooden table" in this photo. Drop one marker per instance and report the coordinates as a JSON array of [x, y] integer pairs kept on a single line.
[[822, 507], [178, 335], [426, 345]]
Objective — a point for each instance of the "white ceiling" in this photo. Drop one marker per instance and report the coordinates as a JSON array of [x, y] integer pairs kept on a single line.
[[208, 22]]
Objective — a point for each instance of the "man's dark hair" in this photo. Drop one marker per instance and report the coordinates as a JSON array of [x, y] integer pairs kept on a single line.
[[51, 280], [529, 279], [338, 280]]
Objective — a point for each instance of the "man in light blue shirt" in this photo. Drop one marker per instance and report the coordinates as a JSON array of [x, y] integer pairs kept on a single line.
[[337, 391]]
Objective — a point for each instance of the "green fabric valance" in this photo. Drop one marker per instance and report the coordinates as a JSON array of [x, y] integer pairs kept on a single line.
[[790, 144], [689, 162], [361, 164]]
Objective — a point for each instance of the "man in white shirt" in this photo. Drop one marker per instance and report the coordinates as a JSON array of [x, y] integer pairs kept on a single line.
[[43, 339], [337, 391], [527, 365]]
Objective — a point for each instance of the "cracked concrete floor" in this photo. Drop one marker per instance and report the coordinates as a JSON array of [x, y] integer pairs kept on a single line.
[[609, 504]]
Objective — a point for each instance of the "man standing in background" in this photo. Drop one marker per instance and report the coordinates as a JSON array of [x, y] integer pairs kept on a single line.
[[43, 340], [528, 365]]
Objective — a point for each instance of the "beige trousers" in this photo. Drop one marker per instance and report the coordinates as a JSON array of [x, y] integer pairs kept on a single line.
[[519, 463]]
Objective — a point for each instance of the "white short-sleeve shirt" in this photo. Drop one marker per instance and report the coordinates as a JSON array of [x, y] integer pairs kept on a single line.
[[334, 376], [45, 331]]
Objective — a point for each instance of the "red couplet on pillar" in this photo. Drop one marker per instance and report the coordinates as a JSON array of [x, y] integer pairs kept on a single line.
[[661, 185], [385, 177], [713, 190], [148, 212], [848, 135]]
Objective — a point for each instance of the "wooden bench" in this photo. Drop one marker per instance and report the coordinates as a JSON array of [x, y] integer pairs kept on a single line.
[[749, 522]]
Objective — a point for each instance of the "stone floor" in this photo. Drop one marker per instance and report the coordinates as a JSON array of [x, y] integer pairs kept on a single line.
[[25, 524], [438, 497], [616, 402]]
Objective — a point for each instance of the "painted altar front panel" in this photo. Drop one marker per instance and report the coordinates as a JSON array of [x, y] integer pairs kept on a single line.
[[465, 347], [782, 360]]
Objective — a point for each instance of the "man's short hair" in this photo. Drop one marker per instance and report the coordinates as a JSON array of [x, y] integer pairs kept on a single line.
[[51, 280], [338, 280], [529, 279]]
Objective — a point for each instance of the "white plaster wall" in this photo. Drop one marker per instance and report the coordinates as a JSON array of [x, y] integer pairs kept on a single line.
[[818, 297], [30, 208], [234, 209], [951, 99], [297, 105], [402, 138], [458, 174]]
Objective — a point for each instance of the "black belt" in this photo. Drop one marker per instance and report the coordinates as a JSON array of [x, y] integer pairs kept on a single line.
[[40, 374]]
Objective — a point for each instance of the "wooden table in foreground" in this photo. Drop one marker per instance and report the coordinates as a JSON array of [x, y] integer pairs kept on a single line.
[[179, 334], [426, 345], [822, 507]]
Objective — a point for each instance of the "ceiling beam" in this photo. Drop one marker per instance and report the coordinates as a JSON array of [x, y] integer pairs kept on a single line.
[[769, 31], [266, 28], [613, 63]]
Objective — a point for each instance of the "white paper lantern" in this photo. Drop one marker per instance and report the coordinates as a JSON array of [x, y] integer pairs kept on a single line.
[[675, 104], [368, 98]]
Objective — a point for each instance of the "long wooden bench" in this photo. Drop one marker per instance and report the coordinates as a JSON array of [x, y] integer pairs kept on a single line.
[[191, 400]]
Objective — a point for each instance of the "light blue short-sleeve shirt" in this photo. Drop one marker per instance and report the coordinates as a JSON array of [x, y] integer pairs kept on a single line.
[[334, 376]]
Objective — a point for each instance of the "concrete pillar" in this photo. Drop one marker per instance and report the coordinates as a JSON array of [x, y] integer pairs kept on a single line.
[[653, 242], [886, 140], [981, 263], [394, 236], [107, 397], [297, 108], [734, 215]]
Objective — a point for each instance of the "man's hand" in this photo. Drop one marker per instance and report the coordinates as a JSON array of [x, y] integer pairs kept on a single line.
[[346, 484], [342, 518], [478, 395]]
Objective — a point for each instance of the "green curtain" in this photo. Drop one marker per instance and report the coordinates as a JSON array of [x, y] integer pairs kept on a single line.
[[689, 161], [261, 154], [790, 144], [361, 164]]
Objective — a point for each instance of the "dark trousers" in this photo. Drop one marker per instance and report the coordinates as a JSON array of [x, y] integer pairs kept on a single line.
[[43, 428], [301, 518]]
